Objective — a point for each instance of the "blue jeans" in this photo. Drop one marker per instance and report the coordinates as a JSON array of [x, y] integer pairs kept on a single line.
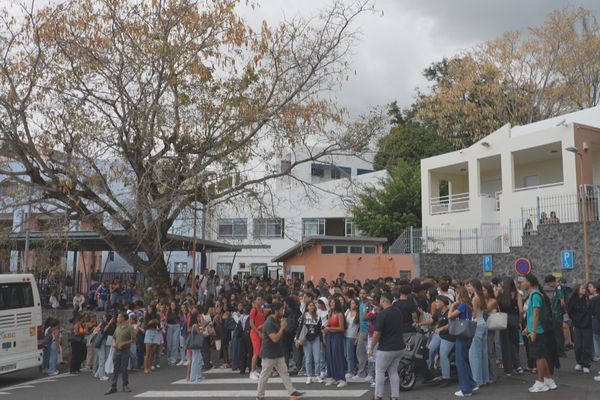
[[172, 342], [103, 305], [350, 353], [446, 347], [102, 353], [434, 348], [52, 357], [132, 356], [465, 378], [196, 372], [182, 349], [323, 360], [312, 357], [234, 353], [478, 356], [597, 345]]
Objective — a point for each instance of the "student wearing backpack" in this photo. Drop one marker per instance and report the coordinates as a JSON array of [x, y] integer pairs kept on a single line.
[[245, 350], [538, 319]]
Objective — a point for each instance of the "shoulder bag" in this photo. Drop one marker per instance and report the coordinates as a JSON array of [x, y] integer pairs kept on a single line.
[[462, 328], [194, 341], [497, 321]]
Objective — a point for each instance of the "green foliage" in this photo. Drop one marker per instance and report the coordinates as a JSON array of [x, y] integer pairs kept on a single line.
[[388, 211]]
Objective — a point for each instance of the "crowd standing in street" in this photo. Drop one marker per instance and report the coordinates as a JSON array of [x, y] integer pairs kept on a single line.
[[334, 333]]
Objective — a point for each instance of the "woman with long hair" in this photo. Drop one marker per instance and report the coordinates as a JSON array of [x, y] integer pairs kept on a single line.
[[173, 329], [312, 343], [350, 337], [184, 314], [151, 337], [478, 353], [510, 302], [197, 328], [463, 309], [581, 315], [492, 307], [334, 336]]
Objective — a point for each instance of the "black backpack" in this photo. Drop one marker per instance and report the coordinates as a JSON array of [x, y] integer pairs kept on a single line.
[[545, 311]]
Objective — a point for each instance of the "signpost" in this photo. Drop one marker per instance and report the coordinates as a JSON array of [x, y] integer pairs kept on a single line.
[[487, 265], [566, 257], [522, 266]]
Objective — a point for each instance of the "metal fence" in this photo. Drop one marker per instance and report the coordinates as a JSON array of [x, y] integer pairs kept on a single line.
[[499, 238]]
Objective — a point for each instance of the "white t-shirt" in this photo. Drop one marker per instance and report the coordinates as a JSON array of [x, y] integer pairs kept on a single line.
[[351, 325]]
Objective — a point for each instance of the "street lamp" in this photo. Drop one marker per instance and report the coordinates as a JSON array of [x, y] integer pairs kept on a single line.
[[586, 243]]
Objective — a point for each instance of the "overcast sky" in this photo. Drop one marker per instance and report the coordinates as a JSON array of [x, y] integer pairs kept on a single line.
[[412, 34]]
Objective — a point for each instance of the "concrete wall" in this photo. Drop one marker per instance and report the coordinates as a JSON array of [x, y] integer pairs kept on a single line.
[[542, 250]]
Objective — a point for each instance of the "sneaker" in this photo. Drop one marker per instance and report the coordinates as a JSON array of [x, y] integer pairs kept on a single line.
[[85, 369], [308, 380], [578, 368], [597, 378], [348, 376], [445, 383], [157, 365], [539, 387], [53, 373], [373, 384], [180, 363], [110, 391], [476, 388], [519, 371], [185, 364], [586, 370], [551, 384], [330, 382], [153, 368], [104, 378], [323, 375], [342, 384], [319, 380], [297, 393], [254, 376], [461, 394]]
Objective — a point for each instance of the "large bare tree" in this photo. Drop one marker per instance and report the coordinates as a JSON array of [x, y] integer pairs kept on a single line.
[[125, 113]]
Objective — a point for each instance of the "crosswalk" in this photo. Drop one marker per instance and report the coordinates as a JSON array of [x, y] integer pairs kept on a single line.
[[32, 384], [230, 385]]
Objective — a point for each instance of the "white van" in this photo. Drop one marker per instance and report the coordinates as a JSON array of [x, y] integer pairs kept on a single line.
[[21, 331]]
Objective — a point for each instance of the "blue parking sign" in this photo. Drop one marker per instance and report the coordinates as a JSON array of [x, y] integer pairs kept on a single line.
[[487, 264], [566, 257]]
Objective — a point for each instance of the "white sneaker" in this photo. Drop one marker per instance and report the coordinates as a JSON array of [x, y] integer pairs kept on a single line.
[[586, 370], [104, 378], [539, 387], [180, 363], [476, 388], [578, 368], [254, 376], [348, 376], [461, 394], [308, 380], [323, 375], [550, 383], [53, 373], [330, 382], [342, 384], [319, 380], [185, 364], [597, 378]]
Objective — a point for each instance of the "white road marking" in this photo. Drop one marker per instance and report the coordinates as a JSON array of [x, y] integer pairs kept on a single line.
[[241, 381], [328, 394], [220, 371]]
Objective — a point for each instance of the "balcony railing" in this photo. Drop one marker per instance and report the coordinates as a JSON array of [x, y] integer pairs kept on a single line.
[[450, 204]]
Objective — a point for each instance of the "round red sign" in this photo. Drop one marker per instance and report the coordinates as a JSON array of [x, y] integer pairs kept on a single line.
[[522, 266]]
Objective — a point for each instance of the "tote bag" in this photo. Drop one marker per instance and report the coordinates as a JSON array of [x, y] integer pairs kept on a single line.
[[462, 328], [194, 341], [497, 321]]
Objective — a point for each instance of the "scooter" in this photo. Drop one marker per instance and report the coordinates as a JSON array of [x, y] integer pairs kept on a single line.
[[413, 362]]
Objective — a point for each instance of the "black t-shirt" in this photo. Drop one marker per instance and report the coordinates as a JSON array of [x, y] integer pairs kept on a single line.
[[269, 348], [441, 320], [407, 307], [389, 324]]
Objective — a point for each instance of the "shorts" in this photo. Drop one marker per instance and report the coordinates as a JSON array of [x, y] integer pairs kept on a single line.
[[538, 349], [256, 343], [152, 336]]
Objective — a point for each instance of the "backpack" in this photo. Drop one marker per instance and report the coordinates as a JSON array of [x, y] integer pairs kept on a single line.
[[239, 329], [546, 305], [247, 327]]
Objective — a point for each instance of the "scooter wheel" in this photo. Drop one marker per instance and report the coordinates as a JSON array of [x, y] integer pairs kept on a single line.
[[408, 378]]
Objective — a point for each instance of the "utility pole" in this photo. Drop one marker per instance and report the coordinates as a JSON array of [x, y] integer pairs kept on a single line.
[[584, 205], [27, 231], [194, 269]]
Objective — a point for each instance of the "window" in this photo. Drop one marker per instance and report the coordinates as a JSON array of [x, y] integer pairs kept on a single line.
[[313, 227], [531, 181], [349, 227], [360, 171], [341, 249], [286, 166], [16, 295], [180, 268], [370, 249], [326, 249], [317, 170], [224, 269], [268, 228], [356, 250], [405, 275], [259, 270], [340, 172], [236, 227]]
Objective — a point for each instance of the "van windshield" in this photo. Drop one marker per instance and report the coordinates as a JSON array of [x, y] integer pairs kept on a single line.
[[16, 295]]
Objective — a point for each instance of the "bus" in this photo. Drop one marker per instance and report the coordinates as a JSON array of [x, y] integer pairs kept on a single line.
[[21, 331]]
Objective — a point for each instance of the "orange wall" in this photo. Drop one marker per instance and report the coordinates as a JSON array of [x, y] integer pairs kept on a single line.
[[355, 266]]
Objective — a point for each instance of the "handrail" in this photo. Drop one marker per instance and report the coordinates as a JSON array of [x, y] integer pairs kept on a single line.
[[547, 185]]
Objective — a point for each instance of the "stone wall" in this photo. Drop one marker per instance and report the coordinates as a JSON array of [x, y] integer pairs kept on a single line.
[[541, 249]]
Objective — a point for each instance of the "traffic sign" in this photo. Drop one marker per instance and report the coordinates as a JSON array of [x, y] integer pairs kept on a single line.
[[522, 266], [566, 257], [487, 264]]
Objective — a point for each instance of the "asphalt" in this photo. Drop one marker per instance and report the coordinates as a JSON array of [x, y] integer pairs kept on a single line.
[[166, 383]]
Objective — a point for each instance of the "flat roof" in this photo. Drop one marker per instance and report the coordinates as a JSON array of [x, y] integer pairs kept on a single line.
[[93, 241], [312, 240]]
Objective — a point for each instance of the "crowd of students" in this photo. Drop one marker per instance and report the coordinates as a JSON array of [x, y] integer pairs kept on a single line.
[[335, 332]]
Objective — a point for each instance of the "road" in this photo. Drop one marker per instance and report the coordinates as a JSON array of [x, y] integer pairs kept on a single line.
[[167, 383]]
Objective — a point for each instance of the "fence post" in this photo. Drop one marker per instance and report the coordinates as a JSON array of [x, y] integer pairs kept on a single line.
[[460, 240], [537, 215], [477, 241], [509, 233], [426, 242], [411, 240]]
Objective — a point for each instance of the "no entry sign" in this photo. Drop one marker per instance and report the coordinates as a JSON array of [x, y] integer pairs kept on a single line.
[[522, 266]]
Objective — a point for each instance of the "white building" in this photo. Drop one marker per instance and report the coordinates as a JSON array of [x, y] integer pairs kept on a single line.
[[310, 202], [495, 181]]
